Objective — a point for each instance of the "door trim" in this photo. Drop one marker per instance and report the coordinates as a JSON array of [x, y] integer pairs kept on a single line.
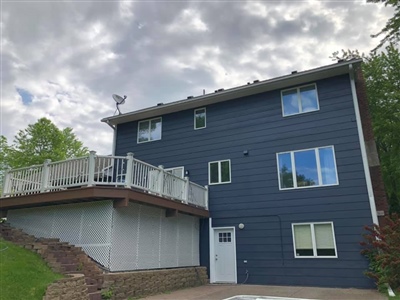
[[212, 249]]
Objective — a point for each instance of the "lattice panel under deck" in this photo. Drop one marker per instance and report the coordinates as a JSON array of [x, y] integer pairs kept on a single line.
[[143, 238], [87, 225], [169, 243], [124, 251]]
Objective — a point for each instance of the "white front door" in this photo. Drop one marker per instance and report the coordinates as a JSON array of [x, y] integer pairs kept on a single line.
[[225, 255]]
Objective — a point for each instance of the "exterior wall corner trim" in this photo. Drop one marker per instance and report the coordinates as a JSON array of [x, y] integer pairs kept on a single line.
[[362, 146]]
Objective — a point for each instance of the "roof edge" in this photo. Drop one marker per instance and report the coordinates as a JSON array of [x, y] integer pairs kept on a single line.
[[326, 71]]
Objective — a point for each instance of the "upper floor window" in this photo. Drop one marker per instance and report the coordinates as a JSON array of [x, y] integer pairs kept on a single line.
[[307, 168], [314, 240], [199, 118], [149, 130], [219, 172], [299, 100]]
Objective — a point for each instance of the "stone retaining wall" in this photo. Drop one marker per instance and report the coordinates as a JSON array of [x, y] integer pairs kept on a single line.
[[142, 283], [73, 287]]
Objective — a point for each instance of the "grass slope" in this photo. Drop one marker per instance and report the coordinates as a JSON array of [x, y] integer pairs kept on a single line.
[[23, 274]]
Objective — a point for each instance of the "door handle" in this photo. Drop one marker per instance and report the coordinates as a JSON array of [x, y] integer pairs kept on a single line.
[[216, 257]]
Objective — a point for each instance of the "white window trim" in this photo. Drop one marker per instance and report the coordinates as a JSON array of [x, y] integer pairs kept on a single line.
[[219, 172], [313, 240], [205, 119], [295, 187], [149, 121], [175, 168], [297, 88]]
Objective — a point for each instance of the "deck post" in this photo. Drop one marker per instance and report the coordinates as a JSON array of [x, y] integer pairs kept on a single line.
[[91, 165], [206, 197], [6, 183], [129, 168], [187, 190], [161, 180], [45, 176]]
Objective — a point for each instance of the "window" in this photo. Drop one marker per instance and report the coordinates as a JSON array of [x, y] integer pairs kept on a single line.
[[307, 168], [200, 118], [178, 171], [219, 172], [224, 237], [314, 240], [149, 130], [299, 100]]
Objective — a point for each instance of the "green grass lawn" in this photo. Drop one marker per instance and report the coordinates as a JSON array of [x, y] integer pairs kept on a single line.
[[397, 297], [23, 274]]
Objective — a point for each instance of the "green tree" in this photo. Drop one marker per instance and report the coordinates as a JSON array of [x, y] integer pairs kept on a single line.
[[287, 178], [41, 141], [382, 78], [3, 158], [391, 31]]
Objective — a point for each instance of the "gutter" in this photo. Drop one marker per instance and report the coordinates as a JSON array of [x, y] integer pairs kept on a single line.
[[114, 145], [295, 78]]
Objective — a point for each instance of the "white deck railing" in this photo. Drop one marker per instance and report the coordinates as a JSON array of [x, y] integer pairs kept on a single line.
[[95, 170]]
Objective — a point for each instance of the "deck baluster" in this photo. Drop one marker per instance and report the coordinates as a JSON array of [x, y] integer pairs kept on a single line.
[[92, 164], [44, 184], [129, 169]]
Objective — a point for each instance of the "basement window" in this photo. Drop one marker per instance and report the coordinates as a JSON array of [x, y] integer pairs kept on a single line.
[[314, 240]]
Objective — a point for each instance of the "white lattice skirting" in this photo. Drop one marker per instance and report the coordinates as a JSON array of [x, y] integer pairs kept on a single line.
[[127, 238]]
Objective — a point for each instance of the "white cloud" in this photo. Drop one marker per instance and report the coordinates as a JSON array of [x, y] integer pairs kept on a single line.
[[188, 20], [71, 56]]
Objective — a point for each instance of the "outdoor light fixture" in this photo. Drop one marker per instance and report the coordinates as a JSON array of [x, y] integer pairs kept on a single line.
[[187, 173], [241, 226]]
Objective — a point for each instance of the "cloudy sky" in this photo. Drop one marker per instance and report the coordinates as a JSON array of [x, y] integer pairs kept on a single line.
[[64, 59]]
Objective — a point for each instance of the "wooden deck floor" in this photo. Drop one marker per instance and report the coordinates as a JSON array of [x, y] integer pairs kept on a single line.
[[119, 195]]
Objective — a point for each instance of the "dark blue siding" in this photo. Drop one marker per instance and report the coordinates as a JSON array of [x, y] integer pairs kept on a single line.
[[255, 124]]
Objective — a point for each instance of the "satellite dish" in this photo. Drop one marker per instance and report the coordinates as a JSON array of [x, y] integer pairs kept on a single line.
[[118, 100]]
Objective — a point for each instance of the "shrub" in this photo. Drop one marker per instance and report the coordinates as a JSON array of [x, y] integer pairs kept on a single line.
[[382, 248]]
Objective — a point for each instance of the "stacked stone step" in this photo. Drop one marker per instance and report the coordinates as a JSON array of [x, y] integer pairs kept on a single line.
[[60, 256]]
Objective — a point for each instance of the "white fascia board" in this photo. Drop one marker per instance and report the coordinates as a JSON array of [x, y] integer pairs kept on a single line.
[[237, 92]]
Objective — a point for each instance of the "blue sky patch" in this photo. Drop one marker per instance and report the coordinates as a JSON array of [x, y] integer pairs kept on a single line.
[[25, 95]]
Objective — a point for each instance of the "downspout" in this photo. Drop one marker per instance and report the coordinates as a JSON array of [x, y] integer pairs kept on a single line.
[[114, 128], [362, 146], [211, 250]]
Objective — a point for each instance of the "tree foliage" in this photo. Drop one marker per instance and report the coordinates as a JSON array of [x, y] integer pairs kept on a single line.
[[41, 141], [381, 246], [391, 31], [3, 157], [382, 78]]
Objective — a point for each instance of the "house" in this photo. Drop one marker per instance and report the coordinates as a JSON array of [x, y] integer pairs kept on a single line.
[[286, 171]]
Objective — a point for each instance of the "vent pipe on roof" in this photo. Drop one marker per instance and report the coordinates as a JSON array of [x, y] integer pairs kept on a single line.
[[159, 104]]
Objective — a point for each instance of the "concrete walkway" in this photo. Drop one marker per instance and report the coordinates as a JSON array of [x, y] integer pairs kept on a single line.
[[224, 291]]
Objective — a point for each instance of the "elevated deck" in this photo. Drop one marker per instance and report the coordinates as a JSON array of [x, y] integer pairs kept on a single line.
[[91, 178]]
